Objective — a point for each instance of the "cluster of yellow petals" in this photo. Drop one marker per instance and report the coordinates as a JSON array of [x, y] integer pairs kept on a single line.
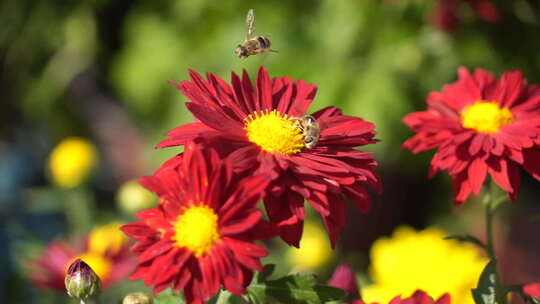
[[486, 117], [197, 229], [274, 132]]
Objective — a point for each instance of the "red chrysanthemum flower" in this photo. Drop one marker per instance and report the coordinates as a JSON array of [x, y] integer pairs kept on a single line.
[[258, 125], [532, 290], [418, 297], [481, 125], [105, 249], [201, 234]]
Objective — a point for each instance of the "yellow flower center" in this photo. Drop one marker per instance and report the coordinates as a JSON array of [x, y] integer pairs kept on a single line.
[[486, 117], [197, 230], [274, 132], [99, 264]]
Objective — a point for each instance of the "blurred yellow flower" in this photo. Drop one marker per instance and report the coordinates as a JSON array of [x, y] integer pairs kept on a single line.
[[132, 197], [71, 161], [314, 251], [411, 260], [107, 239]]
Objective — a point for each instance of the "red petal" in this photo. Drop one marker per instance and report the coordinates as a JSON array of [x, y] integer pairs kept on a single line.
[[181, 135], [215, 119], [444, 299], [532, 290], [532, 162], [477, 174], [241, 225], [264, 90]]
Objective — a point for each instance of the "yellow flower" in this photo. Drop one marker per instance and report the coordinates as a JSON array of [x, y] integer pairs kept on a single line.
[[314, 248], [411, 260], [104, 242], [71, 161], [107, 239], [132, 197]]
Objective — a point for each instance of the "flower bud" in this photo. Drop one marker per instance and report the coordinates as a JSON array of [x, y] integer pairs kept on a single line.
[[137, 298], [81, 281], [345, 279]]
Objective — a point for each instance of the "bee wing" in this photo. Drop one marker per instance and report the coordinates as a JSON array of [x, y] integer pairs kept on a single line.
[[250, 21]]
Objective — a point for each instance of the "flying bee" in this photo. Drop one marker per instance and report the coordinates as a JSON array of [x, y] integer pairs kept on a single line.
[[310, 130], [253, 45]]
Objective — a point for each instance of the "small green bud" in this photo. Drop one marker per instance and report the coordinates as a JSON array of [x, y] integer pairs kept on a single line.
[[81, 281], [137, 298]]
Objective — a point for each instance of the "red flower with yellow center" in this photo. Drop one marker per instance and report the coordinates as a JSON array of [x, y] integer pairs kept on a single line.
[[105, 250], [201, 236], [259, 127], [481, 125]]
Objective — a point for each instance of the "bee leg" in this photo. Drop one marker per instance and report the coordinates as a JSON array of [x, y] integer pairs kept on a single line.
[[298, 123]]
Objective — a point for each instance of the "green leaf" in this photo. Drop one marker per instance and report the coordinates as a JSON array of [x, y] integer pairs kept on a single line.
[[485, 292], [168, 297], [268, 270], [297, 288], [226, 297], [466, 238]]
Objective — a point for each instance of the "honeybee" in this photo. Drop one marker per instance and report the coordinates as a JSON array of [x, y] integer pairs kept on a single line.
[[252, 45], [310, 130]]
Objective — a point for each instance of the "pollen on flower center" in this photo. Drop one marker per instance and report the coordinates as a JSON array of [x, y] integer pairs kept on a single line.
[[274, 132], [197, 230], [486, 117]]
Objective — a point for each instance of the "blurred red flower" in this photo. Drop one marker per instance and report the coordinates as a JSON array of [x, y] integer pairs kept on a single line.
[[202, 233], [445, 15], [257, 126], [419, 297], [108, 256], [481, 125], [532, 290]]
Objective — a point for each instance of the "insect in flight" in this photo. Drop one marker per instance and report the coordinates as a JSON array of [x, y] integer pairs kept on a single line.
[[253, 45], [310, 130]]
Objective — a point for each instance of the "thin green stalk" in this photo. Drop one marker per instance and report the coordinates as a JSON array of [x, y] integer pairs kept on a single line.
[[489, 232], [493, 200]]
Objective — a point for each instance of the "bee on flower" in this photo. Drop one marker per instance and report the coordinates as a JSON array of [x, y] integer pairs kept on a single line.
[[265, 128]]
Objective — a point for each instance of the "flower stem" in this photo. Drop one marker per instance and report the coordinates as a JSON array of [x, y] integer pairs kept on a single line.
[[489, 232], [493, 199]]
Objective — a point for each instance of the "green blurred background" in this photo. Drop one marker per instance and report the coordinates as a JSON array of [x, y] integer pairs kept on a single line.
[[99, 69]]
